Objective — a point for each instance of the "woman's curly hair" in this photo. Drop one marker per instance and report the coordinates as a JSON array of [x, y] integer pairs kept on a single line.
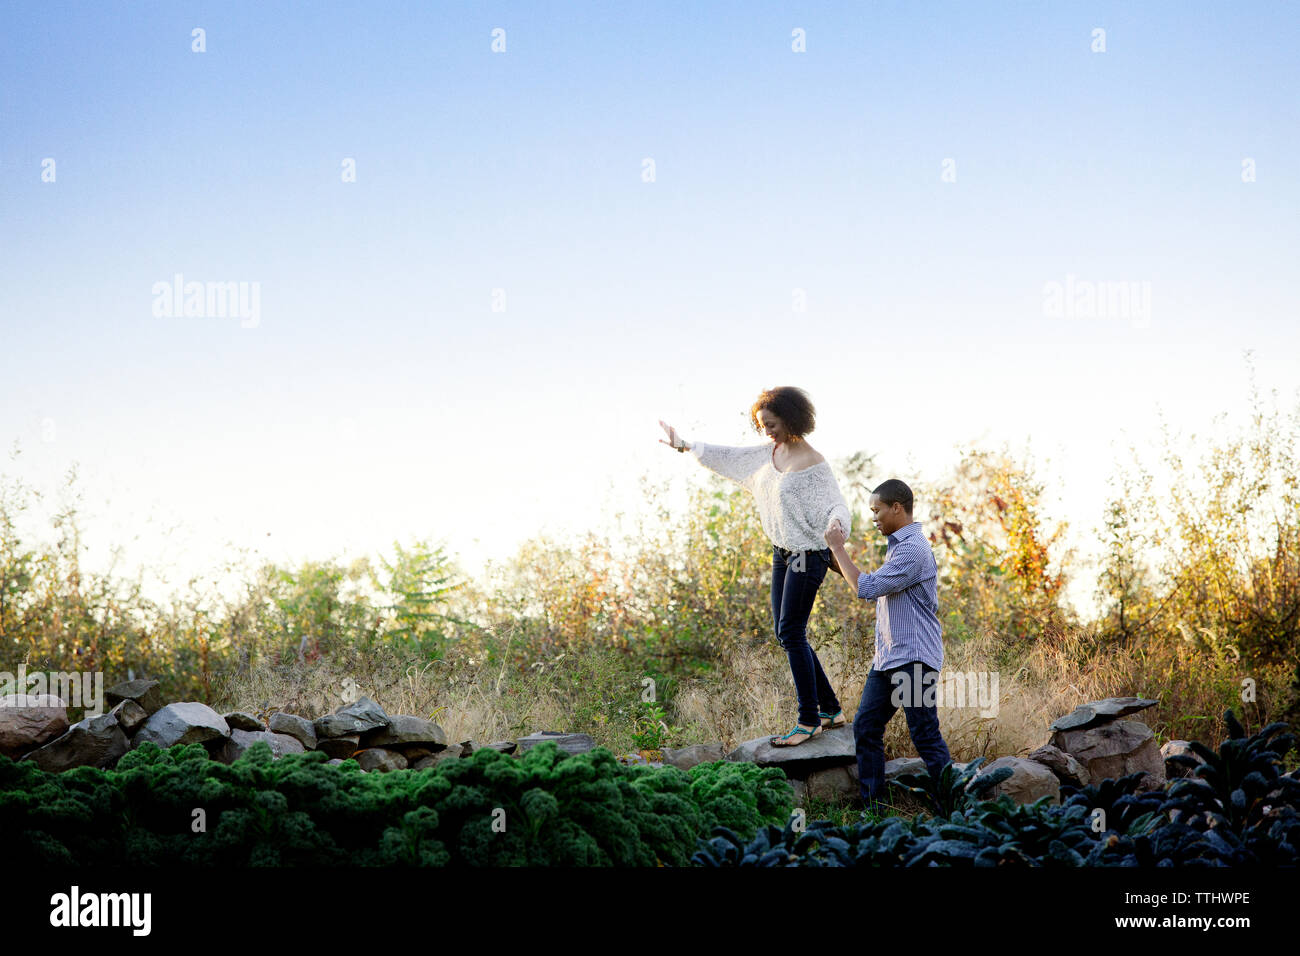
[[791, 405]]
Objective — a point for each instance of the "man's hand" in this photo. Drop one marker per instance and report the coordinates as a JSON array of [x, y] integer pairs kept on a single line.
[[840, 559]]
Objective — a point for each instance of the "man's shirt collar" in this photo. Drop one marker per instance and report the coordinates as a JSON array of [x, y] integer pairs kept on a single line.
[[904, 532]]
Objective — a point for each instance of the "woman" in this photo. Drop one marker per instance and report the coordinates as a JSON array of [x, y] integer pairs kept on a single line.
[[798, 500]]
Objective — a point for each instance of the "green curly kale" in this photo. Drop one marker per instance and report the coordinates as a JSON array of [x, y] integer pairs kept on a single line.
[[546, 808]]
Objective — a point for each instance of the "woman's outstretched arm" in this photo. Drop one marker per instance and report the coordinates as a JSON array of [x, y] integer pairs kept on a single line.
[[736, 462]]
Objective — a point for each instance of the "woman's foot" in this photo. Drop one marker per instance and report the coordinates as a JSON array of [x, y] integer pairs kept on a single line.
[[797, 735], [830, 721]]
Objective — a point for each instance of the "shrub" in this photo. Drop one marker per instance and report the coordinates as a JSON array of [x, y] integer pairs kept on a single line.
[[546, 808]]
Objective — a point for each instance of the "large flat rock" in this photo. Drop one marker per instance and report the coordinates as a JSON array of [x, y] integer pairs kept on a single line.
[[830, 748], [358, 717], [406, 729], [569, 743], [1098, 712]]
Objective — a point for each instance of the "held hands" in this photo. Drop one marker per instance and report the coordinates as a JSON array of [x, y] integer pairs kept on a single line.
[[835, 534]]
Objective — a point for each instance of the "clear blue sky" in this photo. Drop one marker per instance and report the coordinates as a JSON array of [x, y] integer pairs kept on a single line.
[[379, 396]]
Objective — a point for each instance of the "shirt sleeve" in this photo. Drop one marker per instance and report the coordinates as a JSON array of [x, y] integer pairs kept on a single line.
[[737, 463], [840, 510], [903, 568]]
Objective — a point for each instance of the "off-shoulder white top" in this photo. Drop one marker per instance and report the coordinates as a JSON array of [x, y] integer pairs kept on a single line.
[[795, 507]]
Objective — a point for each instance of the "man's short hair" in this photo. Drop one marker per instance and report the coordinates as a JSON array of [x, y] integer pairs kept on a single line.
[[894, 490]]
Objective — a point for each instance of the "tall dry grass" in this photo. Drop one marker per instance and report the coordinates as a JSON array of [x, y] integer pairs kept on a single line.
[[751, 694]]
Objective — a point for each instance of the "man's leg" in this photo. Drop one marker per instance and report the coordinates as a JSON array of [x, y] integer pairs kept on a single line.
[[923, 720], [869, 733]]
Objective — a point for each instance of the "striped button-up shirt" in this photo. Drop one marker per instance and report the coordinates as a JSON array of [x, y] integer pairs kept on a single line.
[[907, 601]]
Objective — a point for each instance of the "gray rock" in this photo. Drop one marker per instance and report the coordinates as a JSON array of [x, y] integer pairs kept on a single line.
[[377, 758], [831, 784], [688, 757], [298, 727], [451, 753], [146, 693], [504, 746], [1114, 749], [1172, 747], [361, 715], [240, 720], [840, 783], [93, 742], [1098, 712], [569, 743], [830, 748], [130, 715], [413, 752], [187, 722], [405, 729], [240, 740], [28, 721], [1029, 781], [896, 768], [1067, 769], [341, 747]]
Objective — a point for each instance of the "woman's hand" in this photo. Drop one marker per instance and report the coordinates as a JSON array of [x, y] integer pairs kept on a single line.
[[674, 440]]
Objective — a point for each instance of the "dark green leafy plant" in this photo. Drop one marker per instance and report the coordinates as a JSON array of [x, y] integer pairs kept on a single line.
[[953, 789], [546, 808], [1239, 810]]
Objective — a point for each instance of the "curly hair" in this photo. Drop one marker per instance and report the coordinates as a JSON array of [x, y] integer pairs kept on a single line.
[[788, 403]]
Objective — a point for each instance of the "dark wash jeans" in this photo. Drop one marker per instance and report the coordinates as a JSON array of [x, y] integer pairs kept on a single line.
[[874, 713], [793, 593]]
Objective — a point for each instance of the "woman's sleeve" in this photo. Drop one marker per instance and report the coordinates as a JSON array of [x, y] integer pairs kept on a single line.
[[738, 463], [839, 509]]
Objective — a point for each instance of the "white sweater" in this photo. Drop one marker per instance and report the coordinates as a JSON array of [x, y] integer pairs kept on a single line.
[[795, 507]]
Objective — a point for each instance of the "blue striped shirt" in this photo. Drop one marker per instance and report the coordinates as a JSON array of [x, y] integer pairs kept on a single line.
[[907, 601]]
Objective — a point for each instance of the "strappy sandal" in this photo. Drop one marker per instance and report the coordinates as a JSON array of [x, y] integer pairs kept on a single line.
[[836, 720], [808, 734]]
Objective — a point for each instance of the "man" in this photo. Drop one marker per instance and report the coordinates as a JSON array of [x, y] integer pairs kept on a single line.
[[909, 644]]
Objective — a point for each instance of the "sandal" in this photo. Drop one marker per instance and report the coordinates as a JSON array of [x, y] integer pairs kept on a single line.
[[836, 720], [794, 730]]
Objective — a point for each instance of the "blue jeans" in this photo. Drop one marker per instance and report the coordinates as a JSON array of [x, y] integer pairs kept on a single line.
[[874, 713], [794, 588]]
